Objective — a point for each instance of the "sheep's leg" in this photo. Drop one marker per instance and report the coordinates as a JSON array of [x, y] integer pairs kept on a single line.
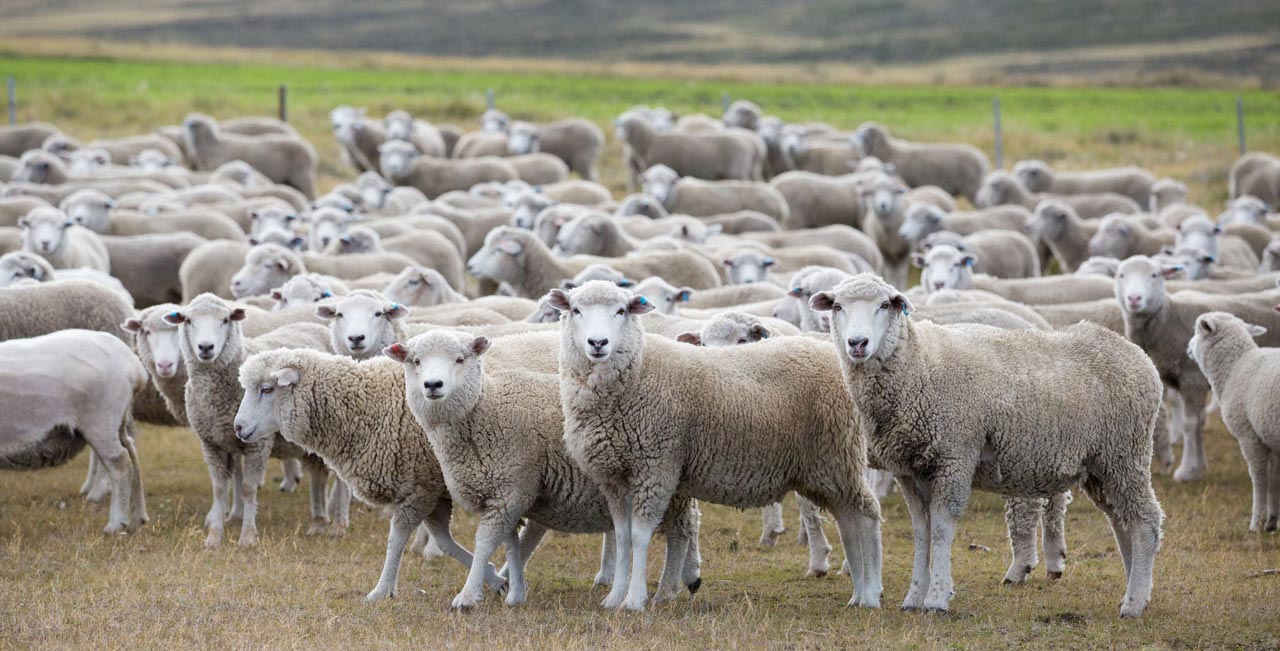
[[949, 496], [819, 547], [424, 544], [1177, 419], [620, 512], [691, 573], [516, 591], [91, 476], [672, 567], [116, 466], [1021, 515], [1144, 541], [773, 527], [1162, 439], [915, 494], [292, 470], [138, 503], [860, 538], [255, 468], [531, 535], [1055, 534], [97, 483], [318, 478], [681, 525], [237, 492], [339, 507], [607, 561], [220, 470], [494, 528], [1273, 493], [402, 526], [646, 515], [1257, 457], [1193, 464], [437, 523], [881, 482]]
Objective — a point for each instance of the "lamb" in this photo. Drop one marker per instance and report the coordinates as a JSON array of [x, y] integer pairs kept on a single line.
[[507, 461], [51, 234], [1161, 322], [96, 211], [521, 259], [576, 141], [1132, 182], [359, 137], [614, 379], [399, 125], [158, 347], [17, 266], [282, 158], [538, 168], [17, 139], [209, 268], [922, 219], [400, 163], [712, 156], [267, 266], [1255, 174], [150, 266], [65, 390], [1243, 377], [1002, 254], [307, 289], [692, 196], [956, 168], [423, 247], [213, 348], [1121, 237], [1013, 445], [322, 403], [1001, 188]]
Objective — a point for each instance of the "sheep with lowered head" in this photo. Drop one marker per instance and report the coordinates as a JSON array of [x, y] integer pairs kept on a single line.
[[401, 164], [282, 158], [1001, 187], [1132, 182], [692, 196], [956, 168], [1014, 426], [576, 141]]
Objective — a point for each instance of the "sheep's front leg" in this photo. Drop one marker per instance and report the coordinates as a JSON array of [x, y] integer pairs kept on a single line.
[[1193, 464], [1021, 515], [949, 496], [607, 561], [437, 525], [292, 474], [531, 535], [255, 469], [620, 512], [1258, 458], [1273, 493], [860, 537], [916, 496], [516, 562], [493, 530], [771, 517], [220, 466], [403, 523], [819, 547], [318, 479]]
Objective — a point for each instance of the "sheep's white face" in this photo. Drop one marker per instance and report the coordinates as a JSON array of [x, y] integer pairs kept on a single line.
[[1033, 174], [658, 182], [398, 127], [584, 236], [257, 417], [90, 209], [995, 191], [522, 139], [20, 265], [360, 325], [271, 220], [945, 267], [161, 341], [87, 162], [44, 231], [920, 220], [641, 204], [732, 329], [665, 296], [494, 121], [598, 313], [260, 274], [1214, 326], [1048, 222], [204, 331], [1194, 261], [151, 160], [1241, 210], [1199, 233], [501, 258], [1139, 284], [396, 160], [861, 321], [883, 197], [325, 230], [1112, 239], [300, 290], [788, 309], [416, 286], [747, 267], [527, 208], [437, 364], [770, 130], [34, 167]]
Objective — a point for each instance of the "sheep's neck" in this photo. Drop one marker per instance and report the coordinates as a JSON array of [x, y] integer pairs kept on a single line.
[[1221, 357], [542, 272], [1072, 247]]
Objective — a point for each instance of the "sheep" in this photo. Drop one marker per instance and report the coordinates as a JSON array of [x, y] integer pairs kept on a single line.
[[17, 139], [481, 144], [1271, 257], [14, 208], [598, 271], [1013, 445], [728, 329], [743, 114], [714, 444], [150, 266], [802, 149], [956, 168], [66, 390], [96, 211], [471, 412], [1246, 209], [1243, 378], [121, 149], [17, 266], [1098, 266], [711, 156], [267, 266], [884, 199], [743, 222], [665, 296], [1057, 225], [922, 219], [1169, 201], [1002, 254], [52, 194], [1230, 251], [595, 233], [732, 295], [35, 309], [400, 163], [521, 259], [423, 247], [1045, 290], [1132, 182], [307, 289], [282, 158], [213, 348], [1001, 188], [380, 197], [51, 234], [86, 166], [1121, 237], [157, 345], [359, 136], [209, 268], [576, 141], [399, 125], [1162, 322], [815, 200], [419, 286], [700, 198], [539, 168], [1255, 174]]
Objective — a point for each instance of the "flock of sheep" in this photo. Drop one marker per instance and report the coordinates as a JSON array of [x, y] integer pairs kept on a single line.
[[464, 324]]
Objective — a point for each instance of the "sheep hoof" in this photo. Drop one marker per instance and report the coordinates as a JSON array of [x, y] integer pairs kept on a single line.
[[214, 539], [318, 525], [1055, 575], [770, 538], [693, 587], [1007, 581], [113, 529], [816, 574], [465, 600], [1188, 474], [248, 539], [337, 530]]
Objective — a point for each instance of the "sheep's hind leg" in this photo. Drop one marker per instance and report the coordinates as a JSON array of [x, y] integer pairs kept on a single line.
[[773, 528], [1193, 464], [1021, 515], [220, 466], [819, 547], [402, 526], [1054, 525], [318, 479], [437, 523], [255, 468], [339, 507], [915, 494], [1273, 492], [949, 496]]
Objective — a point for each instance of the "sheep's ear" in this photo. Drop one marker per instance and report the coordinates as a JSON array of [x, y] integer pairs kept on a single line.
[[640, 305], [174, 318], [326, 312], [287, 376], [822, 302], [759, 332], [1171, 270], [917, 261], [558, 300], [254, 215], [132, 325], [23, 222], [395, 311], [684, 295], [728, 262], [625, 282], [510, 247], [479, 345], [690, 338], [768, 262], [397, 352], [277, 296], [567, 285], [1255, 330], [237, 314], [900, 301], [426, 277], [969, 260], [1207, 328]]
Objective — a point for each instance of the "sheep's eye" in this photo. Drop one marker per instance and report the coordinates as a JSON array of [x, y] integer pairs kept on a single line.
[[460, 360], [226, 320], [1153, 275], [742, 340], [576, 312], [886, 305], [413, 283], [265, 389], [339, 315], [621, 311], [417, 361], [377, 314]]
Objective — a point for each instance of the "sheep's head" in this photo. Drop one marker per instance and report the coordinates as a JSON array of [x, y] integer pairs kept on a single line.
[[1140, 286], [871, 139], [945, 267], [441, 367], [304, 289], [417, 286], [882, 195], [44, 230], [665, 296], [599, 319], [1098, 266], [793, 140], [1000, 187], [59, 144], [770, 129], [1199, 232], [659, 182], [1050, 220], [151, 160], [38, 166], [942, 238], [1214, 328], [357, 239], [395, 158], [508, 193], [803, 286], [266, 266], [157, 339], [527, 207], [1246, 209], [327, 225], [89, 208], [503, 255], [494, 121], [728, 329], [641, 204], [867, 316], [522, 138], [362, 323], [1166, 192], [264, 378], [586, 235], [549, 221], [87, 162], [748, 265], [398, 125], [21, 265], [197, 126], [273, 223], [206, 327], [919, 220], [1035, 175], [597, 272], [693, 230], [1114, 238], [743, 113]]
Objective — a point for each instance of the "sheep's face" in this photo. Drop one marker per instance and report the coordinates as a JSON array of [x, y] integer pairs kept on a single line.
[[158, 340], [257, 416], [522, 138], [1199, 233], [1098, 266], [501, 258], [730, 329], [770, 130], [997, 189], [920, 220], [36, 167], [90, 209], [398, 126], [748, 266], [1196, 263], [361, 324], [151, 160], [1214, 327], [20, 265], [357, 240], [598, 316], [883, 197], [1140, 286], [1241, 210], [641, 204], [264, 221], [88, 161], [788, 309], [439, 365], [527, 208], [694, 230], [300, 290], [374, 197], [204, 327], [585, 236], [494, 121], [665, 296], [267, 266], [945, 267], [1112, 239], [805, 287], [658, 182], [44, 230], [395, 158], [864, 317], [871, 139], [1033, 174], [325, 229], [1167, 192], [418, 286], [1048, 222]]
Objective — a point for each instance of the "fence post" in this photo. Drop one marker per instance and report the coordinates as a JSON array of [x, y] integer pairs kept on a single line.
[[724, 102], [13, 101], [995, 108], [489, 99], [284, 103], [1239, 120]]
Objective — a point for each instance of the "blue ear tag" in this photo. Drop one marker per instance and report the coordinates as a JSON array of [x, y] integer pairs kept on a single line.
[[905, 312], [326, 295], [173, 315], [644, 301], [395, 306]]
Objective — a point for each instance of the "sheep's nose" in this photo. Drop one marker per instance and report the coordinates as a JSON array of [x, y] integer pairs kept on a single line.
[[164, 367], [205, 348], [433, 385], [239, 428], [855, 342], [598, 343], [939, 285], [355, 339]]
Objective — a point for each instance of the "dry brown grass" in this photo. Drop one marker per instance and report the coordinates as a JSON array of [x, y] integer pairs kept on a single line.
[[66, 585]]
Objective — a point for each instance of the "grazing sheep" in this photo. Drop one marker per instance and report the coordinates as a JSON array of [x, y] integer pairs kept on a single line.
[[956, 168], [1121, 237], [96, 211], [713, 156], [268, 266], [66, 390], [1255, 174], [17, 139], [1002, 254], [209, 268], [922, 219], [576, 141], [401, 164], [150, 266], [1018, 443], [423, 247], [1162, 322], [282, 158], [307, 289], [1001, 187], [1244, 378], [51, 234], [691, 196], [1132, 182], [399, 125], [359, 136]]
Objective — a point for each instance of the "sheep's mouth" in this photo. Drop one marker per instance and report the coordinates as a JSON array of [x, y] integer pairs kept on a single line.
[[434, 394], [858, 351], [598, 355], [247, 436]]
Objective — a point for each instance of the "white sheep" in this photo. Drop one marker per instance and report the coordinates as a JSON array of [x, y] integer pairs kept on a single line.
[[692, 196], [956, 168], [51, 234], [1132, 182]]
